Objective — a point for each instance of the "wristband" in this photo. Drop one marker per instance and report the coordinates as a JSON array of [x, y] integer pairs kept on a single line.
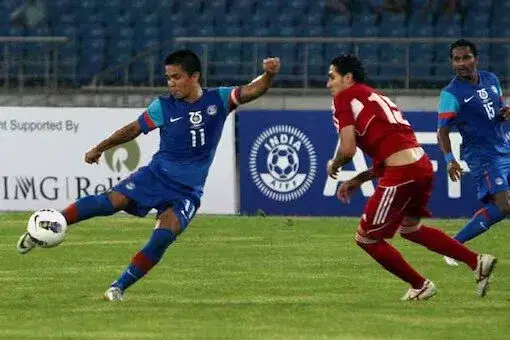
[[449, 157]]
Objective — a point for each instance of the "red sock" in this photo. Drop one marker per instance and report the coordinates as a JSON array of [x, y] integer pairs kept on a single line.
[[392, 261], [437, 241]]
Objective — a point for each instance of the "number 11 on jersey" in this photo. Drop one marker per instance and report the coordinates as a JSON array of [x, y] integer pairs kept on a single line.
[[197, 135]]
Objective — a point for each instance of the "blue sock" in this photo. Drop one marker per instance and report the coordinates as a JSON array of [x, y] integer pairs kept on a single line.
[[87, 207], [480, 223], [145, 259]]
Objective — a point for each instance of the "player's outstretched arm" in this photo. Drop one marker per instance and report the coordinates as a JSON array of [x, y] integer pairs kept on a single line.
[[262, 83], [122, 135]]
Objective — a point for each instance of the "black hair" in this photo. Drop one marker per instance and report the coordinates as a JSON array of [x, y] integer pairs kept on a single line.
[[349, 63], [463, 43], [186, 59]]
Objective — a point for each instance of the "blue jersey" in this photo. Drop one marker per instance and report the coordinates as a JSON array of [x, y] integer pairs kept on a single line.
[[474, 111], [189, 135]]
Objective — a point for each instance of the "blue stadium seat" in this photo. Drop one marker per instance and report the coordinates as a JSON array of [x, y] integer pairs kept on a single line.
[[88, 7], [477, 20], [312, 19], [312, 31], [420, 26], [92, 30], [141, 69], [335, 49], [112, 8], [241, 7], [120, 32], [68, 18], [89, 67], [232, 20], [299, 5], [420, 71], [145, 36], [449, 26], [392, 62], [149, 19], [364, 26], [168, 23], [317, 64], [61, 6], [119, 51], [421, 52], [97, 17], [393, 25], [286, 19]]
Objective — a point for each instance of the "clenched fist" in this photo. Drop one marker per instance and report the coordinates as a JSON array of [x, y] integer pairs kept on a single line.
[[271, 65], [92, 156]]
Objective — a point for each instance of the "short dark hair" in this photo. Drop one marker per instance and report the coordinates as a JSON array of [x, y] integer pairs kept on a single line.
[[349, 63], [463, 43], [186, 59]]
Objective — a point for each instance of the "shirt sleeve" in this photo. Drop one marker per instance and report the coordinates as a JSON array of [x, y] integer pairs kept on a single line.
[[229, 98], [152, 117], [342, 113], [500, 92], [448, 108]]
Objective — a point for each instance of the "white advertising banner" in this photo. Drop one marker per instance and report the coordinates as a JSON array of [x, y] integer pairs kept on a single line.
[[42, 158]]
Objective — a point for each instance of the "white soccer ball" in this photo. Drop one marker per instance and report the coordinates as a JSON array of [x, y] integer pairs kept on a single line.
[[47, 227]]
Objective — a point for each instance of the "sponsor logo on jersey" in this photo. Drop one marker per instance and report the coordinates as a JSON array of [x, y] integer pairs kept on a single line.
[[211, 110]]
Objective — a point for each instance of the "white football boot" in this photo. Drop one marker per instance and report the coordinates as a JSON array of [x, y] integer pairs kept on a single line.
[[483, 271], [426, 292], [25, 243], [113, 294], [449, 261]]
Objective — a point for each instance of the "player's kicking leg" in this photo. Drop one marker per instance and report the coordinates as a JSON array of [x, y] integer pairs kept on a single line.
[[169, 225], [82, 209]]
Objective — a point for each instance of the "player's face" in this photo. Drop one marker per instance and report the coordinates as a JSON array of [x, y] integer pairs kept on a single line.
[[336, 82], [464, 62], [181, 84]]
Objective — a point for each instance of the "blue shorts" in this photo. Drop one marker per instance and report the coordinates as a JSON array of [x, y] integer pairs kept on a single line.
[[493, 180], [146, 191]]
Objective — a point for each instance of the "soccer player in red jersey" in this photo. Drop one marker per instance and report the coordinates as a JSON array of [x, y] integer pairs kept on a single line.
[[366, 118]]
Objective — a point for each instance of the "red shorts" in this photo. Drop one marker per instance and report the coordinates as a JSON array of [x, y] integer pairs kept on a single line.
[[402, 191]]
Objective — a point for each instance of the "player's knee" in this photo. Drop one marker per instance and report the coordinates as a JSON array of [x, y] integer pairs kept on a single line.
[[169, 220], [118, 200], [362, 240], [503, 203]]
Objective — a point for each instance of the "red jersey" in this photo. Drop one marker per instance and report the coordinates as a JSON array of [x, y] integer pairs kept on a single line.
[[380, 128]]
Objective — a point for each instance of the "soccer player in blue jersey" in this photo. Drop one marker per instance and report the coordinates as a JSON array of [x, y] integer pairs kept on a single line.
[[190, 122], [473, 103]]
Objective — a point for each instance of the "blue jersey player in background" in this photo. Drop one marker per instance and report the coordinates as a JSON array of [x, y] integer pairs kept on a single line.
[[473, 103], [190, 122]]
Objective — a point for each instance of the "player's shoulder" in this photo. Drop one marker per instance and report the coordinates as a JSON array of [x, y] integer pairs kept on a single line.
[[488, 76], [166, 99], [361, 89], [452, 85], [357, 91]]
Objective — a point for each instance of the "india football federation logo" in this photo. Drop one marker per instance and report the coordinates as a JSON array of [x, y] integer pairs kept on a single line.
[[283, 163]]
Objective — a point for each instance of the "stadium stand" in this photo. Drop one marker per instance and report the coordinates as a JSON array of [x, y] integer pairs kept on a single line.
[[106, 34]]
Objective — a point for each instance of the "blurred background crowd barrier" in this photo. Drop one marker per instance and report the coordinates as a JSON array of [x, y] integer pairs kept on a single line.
[[91, 43]]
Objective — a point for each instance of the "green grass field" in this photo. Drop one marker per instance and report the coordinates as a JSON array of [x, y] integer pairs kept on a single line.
[[242, 278]]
